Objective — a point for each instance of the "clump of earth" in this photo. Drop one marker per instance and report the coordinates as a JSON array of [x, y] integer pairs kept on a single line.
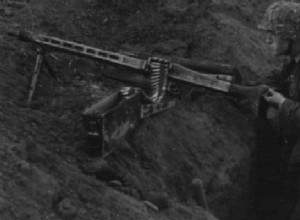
[[48, 169]]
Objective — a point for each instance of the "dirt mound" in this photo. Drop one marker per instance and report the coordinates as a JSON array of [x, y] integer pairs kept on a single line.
[[46, 168]]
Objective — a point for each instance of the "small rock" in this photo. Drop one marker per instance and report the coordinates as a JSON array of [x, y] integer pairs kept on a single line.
[[158, 199], [67, 209], [151, 205], [115, 183], [198, 193]]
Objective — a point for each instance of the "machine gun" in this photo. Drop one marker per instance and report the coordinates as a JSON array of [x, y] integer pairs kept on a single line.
[[114, 116]]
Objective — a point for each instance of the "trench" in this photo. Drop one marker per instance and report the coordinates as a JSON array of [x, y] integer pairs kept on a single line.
[[264, 167], [259, 199]]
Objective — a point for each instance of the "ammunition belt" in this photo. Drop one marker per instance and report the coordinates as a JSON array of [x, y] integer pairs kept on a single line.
[[157, 73], [158, 70]]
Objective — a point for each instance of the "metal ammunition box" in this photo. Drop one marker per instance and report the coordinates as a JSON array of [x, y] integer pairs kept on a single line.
[[113, 117]]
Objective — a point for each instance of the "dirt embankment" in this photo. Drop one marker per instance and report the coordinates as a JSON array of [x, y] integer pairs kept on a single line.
[[47, 171]]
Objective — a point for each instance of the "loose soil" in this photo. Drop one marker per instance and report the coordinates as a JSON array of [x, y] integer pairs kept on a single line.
[[48, 169]]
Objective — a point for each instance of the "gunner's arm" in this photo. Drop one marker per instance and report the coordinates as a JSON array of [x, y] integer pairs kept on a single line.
[[289, 115]]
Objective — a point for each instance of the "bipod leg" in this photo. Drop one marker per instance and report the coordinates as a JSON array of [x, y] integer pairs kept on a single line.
[[36, 72]]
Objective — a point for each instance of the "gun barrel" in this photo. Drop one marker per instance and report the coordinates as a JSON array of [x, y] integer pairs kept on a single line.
[[80, 49]]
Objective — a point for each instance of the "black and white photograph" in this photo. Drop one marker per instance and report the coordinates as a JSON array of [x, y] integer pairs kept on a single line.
[[149, 110]]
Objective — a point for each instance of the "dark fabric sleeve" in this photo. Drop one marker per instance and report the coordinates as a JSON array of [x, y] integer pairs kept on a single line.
[[289, 116]]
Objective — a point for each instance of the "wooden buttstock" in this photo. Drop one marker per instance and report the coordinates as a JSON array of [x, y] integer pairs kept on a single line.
[[184, 74]]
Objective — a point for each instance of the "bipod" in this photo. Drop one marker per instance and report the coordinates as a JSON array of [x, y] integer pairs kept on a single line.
[[40, 60]]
